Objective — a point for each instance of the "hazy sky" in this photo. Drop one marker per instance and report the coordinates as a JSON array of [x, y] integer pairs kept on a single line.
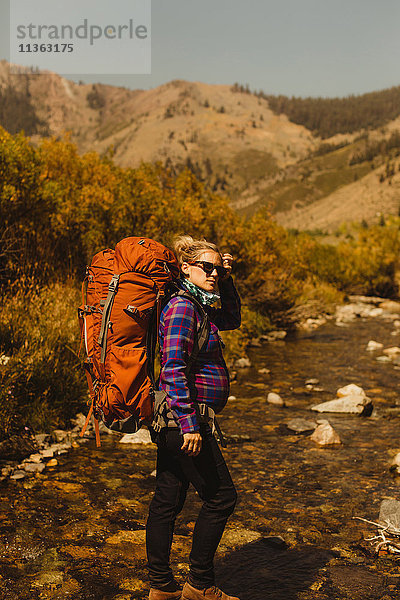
[[292, 47]]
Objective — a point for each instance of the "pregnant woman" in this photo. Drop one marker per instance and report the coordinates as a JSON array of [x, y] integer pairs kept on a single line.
[[187, 452]]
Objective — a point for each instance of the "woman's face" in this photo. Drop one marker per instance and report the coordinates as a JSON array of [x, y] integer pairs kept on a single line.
[[196, 274]]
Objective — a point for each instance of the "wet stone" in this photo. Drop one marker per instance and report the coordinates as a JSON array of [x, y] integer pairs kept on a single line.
[[301, 425], [350, 390], [325, 435], [264, 371], [234, 538], [59, 435], [389, 513], [18, 475], [348, 404], [34, 458], [49, 578], [242, 363], [34, 467], [372, 346], [41, 438], [47, 453], [275, 399]]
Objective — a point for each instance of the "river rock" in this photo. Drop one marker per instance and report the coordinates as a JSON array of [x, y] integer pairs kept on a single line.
[[349, 312], [230, 398], [140, 437], [19, 475], [351, 389], [279, 334], [390, 306], [301, 425], [352, 404], [375, 300], [312, 381], [383, 358], [375, 312], [79, 421], [59, 435], [275, 399], [52, 579], [242, 363], [324, 434], [389, 513], [47, 453], [314, 388], [372, 346], [34, 467], [264, 371], [392, 351], [133, 537], [6, 471], [41, 438], [34, 458], [235, 538], [395, 464]]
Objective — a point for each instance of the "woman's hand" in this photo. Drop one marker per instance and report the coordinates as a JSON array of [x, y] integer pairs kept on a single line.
[[191, 443], [227, 260]]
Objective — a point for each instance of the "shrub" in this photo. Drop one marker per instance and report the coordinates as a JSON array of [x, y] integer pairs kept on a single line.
[[42, 385]]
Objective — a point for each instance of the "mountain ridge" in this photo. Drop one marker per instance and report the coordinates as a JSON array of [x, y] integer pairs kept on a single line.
[[228, 137]]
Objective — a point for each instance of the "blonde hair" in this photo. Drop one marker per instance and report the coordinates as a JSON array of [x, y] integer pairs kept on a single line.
[[189, 250]]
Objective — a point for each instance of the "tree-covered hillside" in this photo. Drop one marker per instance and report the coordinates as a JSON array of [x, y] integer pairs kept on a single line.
[[328, 116]]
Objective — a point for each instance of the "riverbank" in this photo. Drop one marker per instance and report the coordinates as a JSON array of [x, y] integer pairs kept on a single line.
[[77, 529]]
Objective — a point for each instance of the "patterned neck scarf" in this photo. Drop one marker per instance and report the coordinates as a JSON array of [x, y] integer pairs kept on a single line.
[[203, 296]]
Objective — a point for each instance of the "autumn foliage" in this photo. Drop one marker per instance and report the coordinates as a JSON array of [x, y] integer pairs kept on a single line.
[[58, 208]]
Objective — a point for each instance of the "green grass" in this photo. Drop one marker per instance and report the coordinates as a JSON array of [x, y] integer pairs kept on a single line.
[[250, 165]]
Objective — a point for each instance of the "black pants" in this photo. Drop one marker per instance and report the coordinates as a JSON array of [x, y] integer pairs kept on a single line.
[[211, 478]]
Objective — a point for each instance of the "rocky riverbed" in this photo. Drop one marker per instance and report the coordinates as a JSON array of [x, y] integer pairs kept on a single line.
[[75, 529]]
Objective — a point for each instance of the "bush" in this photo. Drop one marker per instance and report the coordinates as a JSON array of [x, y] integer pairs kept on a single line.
[[42, 384]]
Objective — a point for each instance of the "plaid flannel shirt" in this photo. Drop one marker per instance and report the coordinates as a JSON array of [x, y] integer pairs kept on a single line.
[[208, 380]]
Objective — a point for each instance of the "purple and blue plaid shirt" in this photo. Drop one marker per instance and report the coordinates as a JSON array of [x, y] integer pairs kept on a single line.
[[208, 380]]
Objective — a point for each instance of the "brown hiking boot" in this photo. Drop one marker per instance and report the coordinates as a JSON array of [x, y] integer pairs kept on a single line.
[[160, 595], [212, 593]]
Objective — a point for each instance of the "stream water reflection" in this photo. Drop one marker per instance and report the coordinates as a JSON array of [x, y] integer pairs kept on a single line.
[[78, 531]]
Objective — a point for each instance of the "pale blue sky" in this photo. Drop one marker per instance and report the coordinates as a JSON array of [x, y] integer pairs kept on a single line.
[[292, 47]]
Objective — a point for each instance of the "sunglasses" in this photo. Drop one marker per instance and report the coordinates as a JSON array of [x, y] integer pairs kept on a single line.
[[208, 267]]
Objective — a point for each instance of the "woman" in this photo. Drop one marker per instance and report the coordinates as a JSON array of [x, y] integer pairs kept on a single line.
[[188, 452]]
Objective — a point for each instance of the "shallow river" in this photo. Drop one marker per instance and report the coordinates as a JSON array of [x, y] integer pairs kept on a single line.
[[77, 531]]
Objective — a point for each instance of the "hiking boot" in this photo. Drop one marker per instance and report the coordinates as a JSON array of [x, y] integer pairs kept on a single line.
[[160, 595], [212, 593]]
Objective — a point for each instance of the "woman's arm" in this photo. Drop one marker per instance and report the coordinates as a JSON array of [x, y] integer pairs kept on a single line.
[[229, 315], [179, 324]]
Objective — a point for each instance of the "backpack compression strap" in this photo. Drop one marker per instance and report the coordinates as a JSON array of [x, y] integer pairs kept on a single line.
[[105, 321]]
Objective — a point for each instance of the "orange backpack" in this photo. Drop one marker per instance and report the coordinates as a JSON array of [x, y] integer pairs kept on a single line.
[[122, 294]]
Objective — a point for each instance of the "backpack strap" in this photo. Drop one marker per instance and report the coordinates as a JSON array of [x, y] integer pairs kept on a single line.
[[105, 321]]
